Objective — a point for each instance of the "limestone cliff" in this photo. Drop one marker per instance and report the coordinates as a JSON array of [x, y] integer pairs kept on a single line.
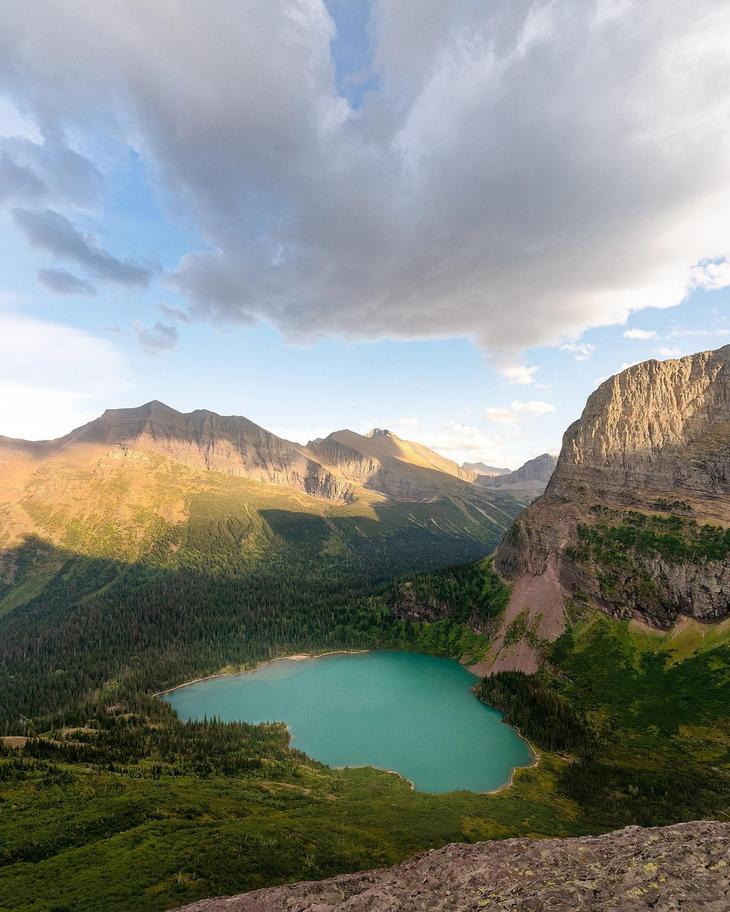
[[686, 866], [635, 516]]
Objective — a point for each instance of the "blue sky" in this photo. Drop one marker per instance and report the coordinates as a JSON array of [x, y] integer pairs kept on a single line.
[[348, 245]]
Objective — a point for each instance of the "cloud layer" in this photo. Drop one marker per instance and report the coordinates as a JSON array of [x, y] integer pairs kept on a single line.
[[54, 233], [521, 172]]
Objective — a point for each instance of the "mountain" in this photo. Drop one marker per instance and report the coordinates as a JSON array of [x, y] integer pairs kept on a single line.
[[635, 517], [682, 866], [481, 468], [384, 462], [210, 540], [529, 480]]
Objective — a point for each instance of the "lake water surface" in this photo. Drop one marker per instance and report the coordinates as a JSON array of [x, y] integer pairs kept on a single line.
[[410, 713]]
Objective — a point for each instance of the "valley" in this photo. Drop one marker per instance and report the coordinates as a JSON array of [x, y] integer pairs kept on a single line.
[[150, 548]]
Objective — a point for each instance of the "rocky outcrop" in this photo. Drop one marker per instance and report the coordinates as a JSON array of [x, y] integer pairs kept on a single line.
[[634, 518], [682, 867]]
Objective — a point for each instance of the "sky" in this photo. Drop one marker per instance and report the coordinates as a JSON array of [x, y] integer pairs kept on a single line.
[[450, 218]]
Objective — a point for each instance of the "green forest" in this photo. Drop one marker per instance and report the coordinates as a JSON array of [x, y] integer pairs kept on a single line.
[[108, 800]]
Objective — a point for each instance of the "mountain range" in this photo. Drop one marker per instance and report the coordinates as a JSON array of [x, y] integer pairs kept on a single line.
[[132, 469]]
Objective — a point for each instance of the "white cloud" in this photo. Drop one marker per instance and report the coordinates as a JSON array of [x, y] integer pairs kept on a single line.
[[667, 352], [711, 274], [518, 374], [582, 350], [406, 423], [53, 378], [500, 415], [532, 407], [460, 438], [497, 199], [516, 410], [639, 334]]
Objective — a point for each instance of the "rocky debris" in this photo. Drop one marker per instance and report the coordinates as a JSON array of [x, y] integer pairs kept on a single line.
[[683, 867], [653, 439]]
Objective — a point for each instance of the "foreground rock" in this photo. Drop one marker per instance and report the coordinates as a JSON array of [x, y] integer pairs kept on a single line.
[[685, 867], [635, 517]]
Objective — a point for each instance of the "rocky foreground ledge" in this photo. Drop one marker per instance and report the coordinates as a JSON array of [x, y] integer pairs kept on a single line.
[[683, 867]]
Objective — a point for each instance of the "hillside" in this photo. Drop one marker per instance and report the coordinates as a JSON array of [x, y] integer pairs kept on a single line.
[[205, 540], [635, 517], [684, 866]]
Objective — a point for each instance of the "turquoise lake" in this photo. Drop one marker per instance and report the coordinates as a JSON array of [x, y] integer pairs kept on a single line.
[[409, 713]]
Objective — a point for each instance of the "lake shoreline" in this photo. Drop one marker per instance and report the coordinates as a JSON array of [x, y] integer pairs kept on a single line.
[[294, 657], [230, 672]]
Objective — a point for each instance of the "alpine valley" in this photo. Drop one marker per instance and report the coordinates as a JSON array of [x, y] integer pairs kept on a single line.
[[151, 547]]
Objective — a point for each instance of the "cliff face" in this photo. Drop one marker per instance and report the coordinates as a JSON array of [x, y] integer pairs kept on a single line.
[[635, 516], [686, 866]]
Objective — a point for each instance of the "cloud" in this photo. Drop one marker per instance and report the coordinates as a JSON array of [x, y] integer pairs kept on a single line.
[[65, 283], [406, 423], [516, 409], [639, 334], [53, 378], [51, 231], [500, 182], [711, 274], [518, 374], [532, 407], [157, 338], [176, 313], [582, 350], [454, 437], [62, 172], [666, 352], [18, 182]]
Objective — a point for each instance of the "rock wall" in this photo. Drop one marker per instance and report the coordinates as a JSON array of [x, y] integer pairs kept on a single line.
[[653, 441]]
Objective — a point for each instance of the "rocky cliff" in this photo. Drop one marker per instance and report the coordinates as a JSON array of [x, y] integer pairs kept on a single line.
[[686, 867], [635, 516]]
